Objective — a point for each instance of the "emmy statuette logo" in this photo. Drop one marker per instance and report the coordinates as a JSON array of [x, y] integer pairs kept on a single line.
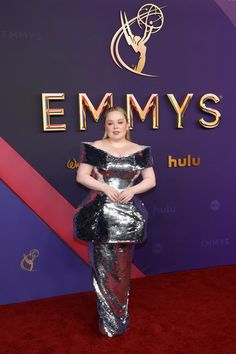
[[150, 19], [27, 262]]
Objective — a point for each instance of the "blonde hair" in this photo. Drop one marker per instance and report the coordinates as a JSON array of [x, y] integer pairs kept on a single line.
[[121, 110]]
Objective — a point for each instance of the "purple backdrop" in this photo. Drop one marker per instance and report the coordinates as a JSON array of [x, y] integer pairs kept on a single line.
[[64, 47]]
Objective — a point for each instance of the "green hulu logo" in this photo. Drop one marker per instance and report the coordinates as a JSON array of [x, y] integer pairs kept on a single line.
[[183, 162]]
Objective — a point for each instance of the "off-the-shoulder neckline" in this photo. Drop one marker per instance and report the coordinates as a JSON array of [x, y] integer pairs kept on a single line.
[[144, 147]]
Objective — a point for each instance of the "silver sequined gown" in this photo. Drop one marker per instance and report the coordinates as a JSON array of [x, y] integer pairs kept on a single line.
[[112, 230]]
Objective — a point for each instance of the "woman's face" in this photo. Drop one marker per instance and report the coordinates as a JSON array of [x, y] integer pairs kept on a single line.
[[116, 125]]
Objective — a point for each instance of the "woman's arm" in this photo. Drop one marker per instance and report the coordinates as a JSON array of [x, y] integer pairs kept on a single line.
[[83, 177], [148, 182]]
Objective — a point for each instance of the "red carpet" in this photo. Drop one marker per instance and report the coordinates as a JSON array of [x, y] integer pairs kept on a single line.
[[192, 312]]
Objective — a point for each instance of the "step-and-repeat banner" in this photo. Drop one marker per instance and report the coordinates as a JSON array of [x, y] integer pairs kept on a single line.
[[171, 65]]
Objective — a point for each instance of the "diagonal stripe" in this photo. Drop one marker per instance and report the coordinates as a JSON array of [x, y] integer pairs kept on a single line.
[[43, 199], [229, 8]]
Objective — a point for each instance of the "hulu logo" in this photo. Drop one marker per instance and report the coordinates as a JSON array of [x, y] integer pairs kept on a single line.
[[183, 162]]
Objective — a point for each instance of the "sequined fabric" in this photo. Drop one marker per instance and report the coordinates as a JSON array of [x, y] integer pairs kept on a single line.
[[112, 230], [97, 218], [111, 266]]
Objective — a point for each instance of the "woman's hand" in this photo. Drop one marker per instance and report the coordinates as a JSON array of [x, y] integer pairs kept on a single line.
[[126, 195], [111, 192], [116, 196]]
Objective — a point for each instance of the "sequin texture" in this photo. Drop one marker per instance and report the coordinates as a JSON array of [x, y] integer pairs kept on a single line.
[[97, 218], [111, 266], [112, 230]]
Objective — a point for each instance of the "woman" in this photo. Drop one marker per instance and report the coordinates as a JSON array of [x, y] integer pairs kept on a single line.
[[112, 218]]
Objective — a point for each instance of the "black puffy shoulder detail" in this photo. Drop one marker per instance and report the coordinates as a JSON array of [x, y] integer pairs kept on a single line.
[[98, 157], [90, 155], [144, 157]]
